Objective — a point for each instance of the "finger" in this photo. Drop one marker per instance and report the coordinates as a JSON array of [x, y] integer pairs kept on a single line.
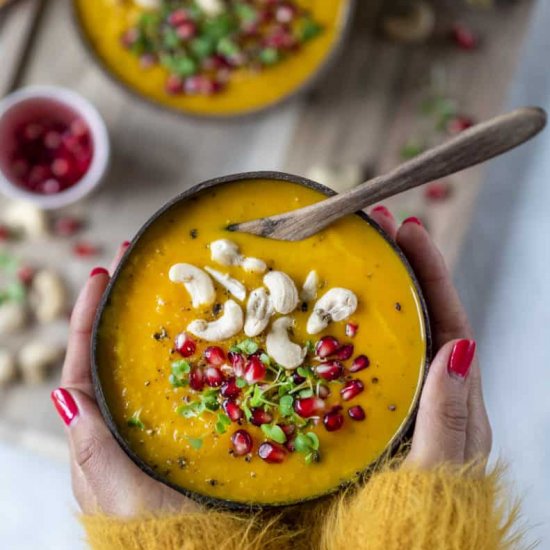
[[118, 256], [448, 318], [76, 369], [384, 218], [479, 435], [440, 433]]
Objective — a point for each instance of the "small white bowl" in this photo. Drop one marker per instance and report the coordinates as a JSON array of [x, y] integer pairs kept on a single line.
[[98, 131]]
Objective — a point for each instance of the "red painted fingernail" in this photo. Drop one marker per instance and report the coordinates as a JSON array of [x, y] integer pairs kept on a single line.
[[461, 358], [126, 244], [98, 271], [383, 210], [413, 219], [65, 405]]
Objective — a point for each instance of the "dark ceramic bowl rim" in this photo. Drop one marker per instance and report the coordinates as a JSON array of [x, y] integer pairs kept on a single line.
[[309, 83], [399, 437]]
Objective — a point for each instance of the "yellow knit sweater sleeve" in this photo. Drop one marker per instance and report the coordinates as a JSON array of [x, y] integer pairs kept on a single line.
[[416, 510]]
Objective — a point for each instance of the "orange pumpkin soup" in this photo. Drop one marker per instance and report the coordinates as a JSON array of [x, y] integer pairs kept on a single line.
[[230, 378], [235, 60]]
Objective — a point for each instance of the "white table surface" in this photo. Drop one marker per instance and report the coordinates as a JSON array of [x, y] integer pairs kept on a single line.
[[503, 277]]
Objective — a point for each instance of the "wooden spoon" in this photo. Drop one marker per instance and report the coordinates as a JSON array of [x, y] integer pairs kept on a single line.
[[472, 146]]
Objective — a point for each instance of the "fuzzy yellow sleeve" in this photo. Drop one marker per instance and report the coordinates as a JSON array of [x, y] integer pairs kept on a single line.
[[416, 510]]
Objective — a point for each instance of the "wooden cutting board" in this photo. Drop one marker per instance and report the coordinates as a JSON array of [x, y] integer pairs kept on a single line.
[[361, 112]]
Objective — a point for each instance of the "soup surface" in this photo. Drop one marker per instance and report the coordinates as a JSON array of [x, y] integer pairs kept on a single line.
[[381, 346], [105, 22]]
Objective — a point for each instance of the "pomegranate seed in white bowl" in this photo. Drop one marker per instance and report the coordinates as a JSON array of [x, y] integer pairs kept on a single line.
[[54, 146]]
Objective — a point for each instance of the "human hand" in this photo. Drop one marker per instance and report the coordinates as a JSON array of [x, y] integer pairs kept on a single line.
[[104, 479], [452, 424]]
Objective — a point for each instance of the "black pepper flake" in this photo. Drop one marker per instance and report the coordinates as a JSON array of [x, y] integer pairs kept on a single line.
[[397, 306], [182, 463], [248, 458], [213, 482], [194, 233], [147, 383], [392, 408], [303, 306], [216, 309], [162, 334], [374, 380]]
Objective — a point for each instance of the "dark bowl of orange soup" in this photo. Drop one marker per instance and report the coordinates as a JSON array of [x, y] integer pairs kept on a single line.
[[255, 373]]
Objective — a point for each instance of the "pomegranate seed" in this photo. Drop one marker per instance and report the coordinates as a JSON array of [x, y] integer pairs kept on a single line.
[[177, 17], [230, 388], [200, 84], [52, 139], [232, 410], [255, 370], [271, 452], [60, 167], [326, 346], [84, 249], [285, 13], [186, 30], [242, 443], [214, 355], [345, 352], [5, 233], [213, 377], [359, 363], [297, 379], [464, 38], [39, 174], [288, 429], [260, 416], [437, 191], [148, 60], [174, 85], [309, 406], [237, 362], [333, 420], [25, 274], [323, 392], [184, 344], [20, 168], [129, 38], [356, 413], [330, 370], [50, 187], [351, 389], [351, 329], [67, 226], [458, 124], [33, 131], [79, 128], [196, 379]]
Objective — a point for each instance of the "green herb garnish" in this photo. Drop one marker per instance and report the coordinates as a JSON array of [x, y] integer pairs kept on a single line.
[[135, 422], [195, 442], [222, 423], [274, 432]]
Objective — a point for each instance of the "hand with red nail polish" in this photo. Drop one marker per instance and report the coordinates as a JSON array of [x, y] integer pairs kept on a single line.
[[452, 423], [104, 478]]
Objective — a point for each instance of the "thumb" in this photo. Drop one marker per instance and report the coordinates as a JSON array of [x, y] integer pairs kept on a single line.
[[98, 464], [442, 420]]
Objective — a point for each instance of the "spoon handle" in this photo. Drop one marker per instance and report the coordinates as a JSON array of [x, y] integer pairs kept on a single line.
[[472, 146]]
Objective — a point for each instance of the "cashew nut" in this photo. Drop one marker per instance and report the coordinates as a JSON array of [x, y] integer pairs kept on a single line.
[[48, 296], [35, 358], [13, 317], [211, 7], [278, 345], [227, 326], [259, 310], [235, 287], [283, 291], [148, 4], [335, 305], [254, 265], [26, 217], [226, 252], [8, 371], [309, 289], [196, 282]]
